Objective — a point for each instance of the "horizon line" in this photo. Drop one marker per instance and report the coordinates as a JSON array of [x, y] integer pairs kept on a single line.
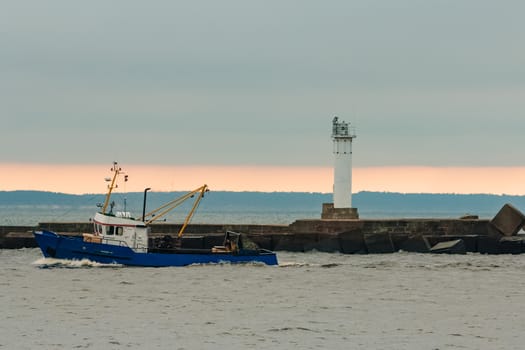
[[279, 192], [84, 179]]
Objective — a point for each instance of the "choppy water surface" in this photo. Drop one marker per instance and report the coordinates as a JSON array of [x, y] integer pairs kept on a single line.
[[311, 301]]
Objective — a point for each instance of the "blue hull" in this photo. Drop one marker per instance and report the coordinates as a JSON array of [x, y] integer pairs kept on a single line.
[[75, 248]]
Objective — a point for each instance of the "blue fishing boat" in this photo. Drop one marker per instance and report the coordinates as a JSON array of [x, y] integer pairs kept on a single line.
[[121, 239]]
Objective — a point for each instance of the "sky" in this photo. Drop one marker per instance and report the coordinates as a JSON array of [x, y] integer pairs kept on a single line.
[[241, 94]]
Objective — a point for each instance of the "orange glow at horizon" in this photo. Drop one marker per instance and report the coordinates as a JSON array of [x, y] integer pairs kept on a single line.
[[79, 179]]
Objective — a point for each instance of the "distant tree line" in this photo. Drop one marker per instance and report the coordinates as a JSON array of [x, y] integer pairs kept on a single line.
[[378, 203]]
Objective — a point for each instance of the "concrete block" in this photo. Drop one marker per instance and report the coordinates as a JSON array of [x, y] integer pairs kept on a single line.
[[470, 241], [352, 242], [511, 245], [493, 232], [324, 243], [379, 243], [488, 245], [415, 244], [449, 247], [508, 220], [294, 242]]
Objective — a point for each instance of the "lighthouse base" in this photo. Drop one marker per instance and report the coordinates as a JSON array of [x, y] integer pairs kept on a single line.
[[329, 212]]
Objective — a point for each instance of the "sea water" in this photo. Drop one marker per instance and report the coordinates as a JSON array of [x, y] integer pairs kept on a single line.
[[32, 215], [310, 301]]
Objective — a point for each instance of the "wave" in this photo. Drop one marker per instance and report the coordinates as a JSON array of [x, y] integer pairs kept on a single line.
[[46, 263], [304, 264]]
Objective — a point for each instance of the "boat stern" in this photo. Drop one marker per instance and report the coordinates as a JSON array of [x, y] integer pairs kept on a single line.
[[268, 257]]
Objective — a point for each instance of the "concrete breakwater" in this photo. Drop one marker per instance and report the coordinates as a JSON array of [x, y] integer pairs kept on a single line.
[[496, 236]]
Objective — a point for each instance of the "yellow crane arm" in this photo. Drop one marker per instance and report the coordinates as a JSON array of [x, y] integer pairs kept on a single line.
[[203, 189], [166, 208]]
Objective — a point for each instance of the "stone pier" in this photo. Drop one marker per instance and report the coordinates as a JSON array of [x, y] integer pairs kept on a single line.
[[349, 236]]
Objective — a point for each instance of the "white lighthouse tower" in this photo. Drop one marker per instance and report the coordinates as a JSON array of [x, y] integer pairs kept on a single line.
[[341, 208]]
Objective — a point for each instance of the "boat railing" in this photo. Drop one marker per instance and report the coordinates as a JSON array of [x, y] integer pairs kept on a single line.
[[121, 243], [112, 241], [91, 238]]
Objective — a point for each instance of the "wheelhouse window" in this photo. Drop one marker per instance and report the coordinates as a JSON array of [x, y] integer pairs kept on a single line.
[[120, 231], [111, 230], [98, 229]]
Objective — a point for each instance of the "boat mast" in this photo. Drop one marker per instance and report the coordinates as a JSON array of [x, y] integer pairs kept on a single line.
[[116, 170]]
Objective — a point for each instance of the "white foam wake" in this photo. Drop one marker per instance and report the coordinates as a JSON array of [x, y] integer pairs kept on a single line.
[[64, 263]]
